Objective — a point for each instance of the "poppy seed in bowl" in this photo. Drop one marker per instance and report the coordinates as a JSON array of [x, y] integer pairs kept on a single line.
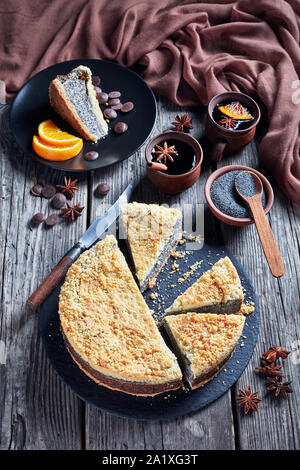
[[226, 198]]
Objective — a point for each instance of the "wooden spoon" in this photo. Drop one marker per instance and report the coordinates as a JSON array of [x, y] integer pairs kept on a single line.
[[264, 230]]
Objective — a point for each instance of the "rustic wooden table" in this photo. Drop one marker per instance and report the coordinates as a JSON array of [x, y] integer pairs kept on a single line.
[[37, 411]]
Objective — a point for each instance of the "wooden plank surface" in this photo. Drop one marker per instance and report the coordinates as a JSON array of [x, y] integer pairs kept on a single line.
[[37, 410]]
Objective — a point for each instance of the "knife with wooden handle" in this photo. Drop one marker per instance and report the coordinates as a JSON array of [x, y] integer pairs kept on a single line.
[[95, 230]]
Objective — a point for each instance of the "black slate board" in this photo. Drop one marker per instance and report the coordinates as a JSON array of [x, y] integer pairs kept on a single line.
[[172, 404]]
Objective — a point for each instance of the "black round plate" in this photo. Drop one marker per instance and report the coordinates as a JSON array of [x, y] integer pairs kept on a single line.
[[31, 106], [168, 405]]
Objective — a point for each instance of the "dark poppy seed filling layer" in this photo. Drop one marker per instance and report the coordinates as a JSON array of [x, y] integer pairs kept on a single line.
[[75, 88]]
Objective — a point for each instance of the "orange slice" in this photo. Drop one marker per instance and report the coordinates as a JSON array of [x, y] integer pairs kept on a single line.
[[50, 152], [53, 135], [235, 110]]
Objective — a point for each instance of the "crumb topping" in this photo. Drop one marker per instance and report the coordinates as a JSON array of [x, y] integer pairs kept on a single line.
[[205, 340], [106, 320], [247, 308]]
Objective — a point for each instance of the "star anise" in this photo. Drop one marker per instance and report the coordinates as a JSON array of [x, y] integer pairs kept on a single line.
[[182, 123], [248, 400], [72, 211], [279, 387], [274, 353], [228, 122], [69, 187], [269, 368], [165, 153]]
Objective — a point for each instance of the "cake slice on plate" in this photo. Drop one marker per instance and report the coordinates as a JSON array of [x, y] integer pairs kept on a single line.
[[152, 232], [203, 343], [218, 290], [74, 98], [108, 328]]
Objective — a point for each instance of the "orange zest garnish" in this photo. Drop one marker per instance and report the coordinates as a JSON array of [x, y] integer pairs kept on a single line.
[[51, 152], [235, 110], [53, 135]]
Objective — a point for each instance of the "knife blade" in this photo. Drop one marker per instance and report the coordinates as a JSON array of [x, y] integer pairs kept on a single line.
[[91, 235], [102, 223]]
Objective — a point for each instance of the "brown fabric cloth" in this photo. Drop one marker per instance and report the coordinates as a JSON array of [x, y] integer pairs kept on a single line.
[[190, 50]]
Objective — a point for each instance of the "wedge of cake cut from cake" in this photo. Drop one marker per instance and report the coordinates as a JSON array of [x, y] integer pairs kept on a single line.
[[203, 343], [218, 290], [108, 328], [152, 232], [73, 97]]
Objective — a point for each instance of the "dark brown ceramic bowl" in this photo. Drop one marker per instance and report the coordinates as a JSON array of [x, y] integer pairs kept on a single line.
[[227, 218], [226, 140], [174, 184]]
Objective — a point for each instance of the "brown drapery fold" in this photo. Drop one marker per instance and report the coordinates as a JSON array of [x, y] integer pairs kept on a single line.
[[190, 50]]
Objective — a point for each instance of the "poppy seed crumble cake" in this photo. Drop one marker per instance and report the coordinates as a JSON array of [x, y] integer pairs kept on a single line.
[[108, 328], [218, 290], [74, 98], [203, 343], [152, 233]]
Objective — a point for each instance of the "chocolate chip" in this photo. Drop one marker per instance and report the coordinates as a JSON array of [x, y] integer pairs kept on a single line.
[[48, 191], [52, 220], [110, 113], [59, 201], [127, 107], [116, 107], [102, 97], [120, 127], [90, 156], [114, 94], [38, 218], [36, 190], [97, 90], [102, 189], [114, 101], [96, 80]]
